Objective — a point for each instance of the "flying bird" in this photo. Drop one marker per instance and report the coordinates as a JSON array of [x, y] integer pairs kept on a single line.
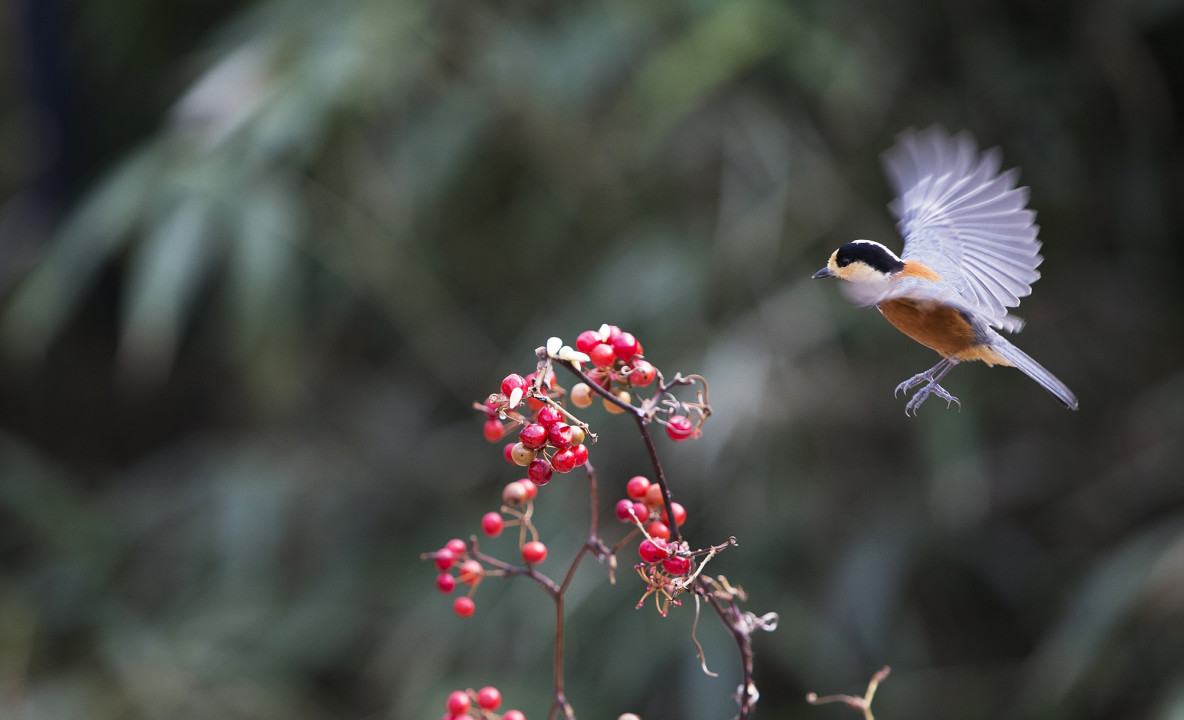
[[970, 253]]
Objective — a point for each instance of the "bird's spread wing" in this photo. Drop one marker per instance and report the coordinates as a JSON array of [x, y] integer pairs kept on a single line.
[[962, 217]]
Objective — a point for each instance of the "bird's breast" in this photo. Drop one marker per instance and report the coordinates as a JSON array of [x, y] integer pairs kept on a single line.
[[934, 325]]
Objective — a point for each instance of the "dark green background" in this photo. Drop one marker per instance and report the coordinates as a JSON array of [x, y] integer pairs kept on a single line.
[[258, 258]]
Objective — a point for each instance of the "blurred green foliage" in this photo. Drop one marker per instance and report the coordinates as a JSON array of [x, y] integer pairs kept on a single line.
[[259, 257]]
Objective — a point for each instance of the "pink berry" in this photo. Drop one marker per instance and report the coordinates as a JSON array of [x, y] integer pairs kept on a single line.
[[534, 552], [444, 559], [643, 373], [464, 606], [652, 551], [656, 529], [539, 471], [564, 460], [513, 382], [676, 565], [642, 511], [457, 546], [492, 523], [548, 416], [624, 505], [625, 346], [637, 486], [445, 582], [581, 453], [513, 715], [679, 428], [471, 572], [588, 340], [458, 702], [489, 698], [602, 355], [533, 436], [492, 430], [560, 435]]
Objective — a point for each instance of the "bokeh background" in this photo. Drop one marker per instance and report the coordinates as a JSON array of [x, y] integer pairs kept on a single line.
[[257, 258]]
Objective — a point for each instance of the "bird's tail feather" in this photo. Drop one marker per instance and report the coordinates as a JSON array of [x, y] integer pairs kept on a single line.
[[1037, 372]]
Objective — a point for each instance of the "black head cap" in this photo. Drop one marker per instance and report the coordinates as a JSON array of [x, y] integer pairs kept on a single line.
[[871, 253]]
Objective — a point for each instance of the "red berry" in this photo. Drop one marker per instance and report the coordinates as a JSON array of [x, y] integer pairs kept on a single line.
[[445, 582], [680, 514], [653, 551], [637, 486], [643, 373], [539, 471], [444, 559], [625, 346], [548, 416], [642, 511], [532, 489], [489, 698], [471, 572], [458, 702], [492, 523], [656, 529], [581, 453], [602, 355], [533, 436], [508, 453], [534, 552], [613, 332], [560, 435], [676, 565], [564, 460], [513, 715], [457, 546], [588, 340], [624, 505], [464, 606], [493, 430], [513, 382], [679, 428]]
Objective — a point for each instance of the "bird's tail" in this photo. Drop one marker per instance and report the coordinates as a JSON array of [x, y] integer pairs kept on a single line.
[[1036, 371]]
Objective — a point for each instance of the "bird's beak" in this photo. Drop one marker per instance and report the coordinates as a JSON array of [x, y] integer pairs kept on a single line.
[[823, 273]]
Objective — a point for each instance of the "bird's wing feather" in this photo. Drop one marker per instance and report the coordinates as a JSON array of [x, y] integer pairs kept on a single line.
[[962, 217]]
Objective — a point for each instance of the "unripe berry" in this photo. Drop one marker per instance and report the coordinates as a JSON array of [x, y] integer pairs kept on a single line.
[[471, 572], [653, 495], [492, 523], [533, 436], [676, 565], [581, 453], [539, 471], [560, 434], [637, 486], [534, 552], [643, 373], [522, 455], [625, 346], [602, 355], [514, 493], [652, 551], [578, 436], [564, 460], [458, 702], [513, 382], [679, 428], [489, 698], [615, 409], [581, 395], [492, 430], [445, 582], [464, 606], [588, 340], [656, 529], [548, 416]]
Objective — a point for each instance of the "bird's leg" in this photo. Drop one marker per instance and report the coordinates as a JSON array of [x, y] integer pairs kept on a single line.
[[931, 378]]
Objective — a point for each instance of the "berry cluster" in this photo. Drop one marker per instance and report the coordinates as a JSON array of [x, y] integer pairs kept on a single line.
[[644, 507], [547, 443], [470, 705]]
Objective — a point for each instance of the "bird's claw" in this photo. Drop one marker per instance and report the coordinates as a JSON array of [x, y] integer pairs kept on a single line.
[[923, 394], [913, 382]]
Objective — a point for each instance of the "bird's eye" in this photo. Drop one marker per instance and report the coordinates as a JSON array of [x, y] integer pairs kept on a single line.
[[843, 262]]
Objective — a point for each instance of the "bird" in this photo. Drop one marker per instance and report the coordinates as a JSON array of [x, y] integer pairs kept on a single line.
[[970, 253]]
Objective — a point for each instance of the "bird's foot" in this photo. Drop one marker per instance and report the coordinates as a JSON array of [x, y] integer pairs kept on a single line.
[[914, 381], [923, 394]]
